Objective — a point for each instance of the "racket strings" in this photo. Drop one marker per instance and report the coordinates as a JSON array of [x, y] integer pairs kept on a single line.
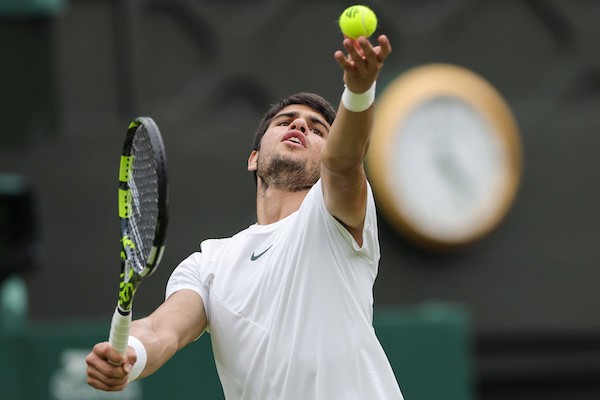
[[143, 183]]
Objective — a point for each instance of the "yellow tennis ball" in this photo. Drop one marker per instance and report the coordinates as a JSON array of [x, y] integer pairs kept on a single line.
[[358, 21]]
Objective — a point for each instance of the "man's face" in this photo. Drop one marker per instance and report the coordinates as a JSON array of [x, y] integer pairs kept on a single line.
[[290, 153]]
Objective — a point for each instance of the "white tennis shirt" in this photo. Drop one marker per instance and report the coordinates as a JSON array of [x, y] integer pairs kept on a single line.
[[290, 307]]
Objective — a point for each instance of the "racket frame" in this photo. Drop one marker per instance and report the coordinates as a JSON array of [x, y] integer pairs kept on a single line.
[[130, 278]]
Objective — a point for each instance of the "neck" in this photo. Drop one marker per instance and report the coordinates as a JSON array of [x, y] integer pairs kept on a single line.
[[273, 204]]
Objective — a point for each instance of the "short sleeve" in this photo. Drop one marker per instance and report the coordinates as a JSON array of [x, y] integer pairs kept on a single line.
[[188, 275], [370, 248]]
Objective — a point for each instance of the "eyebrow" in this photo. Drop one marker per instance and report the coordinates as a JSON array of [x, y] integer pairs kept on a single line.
[[296, 114]]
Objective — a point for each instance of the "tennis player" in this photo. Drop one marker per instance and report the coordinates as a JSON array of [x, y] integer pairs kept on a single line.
[[289, 300]]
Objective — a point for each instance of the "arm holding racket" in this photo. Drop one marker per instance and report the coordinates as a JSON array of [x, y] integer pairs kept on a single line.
[[172, 326]]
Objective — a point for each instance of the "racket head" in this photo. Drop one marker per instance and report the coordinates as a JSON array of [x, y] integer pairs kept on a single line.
[[143, 205]]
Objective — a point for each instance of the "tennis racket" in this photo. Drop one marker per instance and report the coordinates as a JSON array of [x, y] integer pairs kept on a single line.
[[143, 214]]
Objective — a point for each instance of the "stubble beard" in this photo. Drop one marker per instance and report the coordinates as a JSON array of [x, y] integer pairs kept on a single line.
[[288, 173]]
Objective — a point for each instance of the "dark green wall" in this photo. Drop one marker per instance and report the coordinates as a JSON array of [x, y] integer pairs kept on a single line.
[[424, 344]]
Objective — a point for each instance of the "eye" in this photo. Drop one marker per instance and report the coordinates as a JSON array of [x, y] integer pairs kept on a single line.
[[317, 132], [283, 123]]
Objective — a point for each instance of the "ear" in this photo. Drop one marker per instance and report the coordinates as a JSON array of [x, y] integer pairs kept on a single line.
[[253, 161]]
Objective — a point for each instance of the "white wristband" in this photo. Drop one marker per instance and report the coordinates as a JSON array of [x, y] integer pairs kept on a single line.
[[358, 102], [142, 357]]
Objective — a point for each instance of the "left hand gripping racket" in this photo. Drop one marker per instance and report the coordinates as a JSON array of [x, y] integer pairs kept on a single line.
[[143, 213]]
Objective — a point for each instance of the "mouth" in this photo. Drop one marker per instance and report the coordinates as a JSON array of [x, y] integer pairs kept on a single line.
[[295, 137]]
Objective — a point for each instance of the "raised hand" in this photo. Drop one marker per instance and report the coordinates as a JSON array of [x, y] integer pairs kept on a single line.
[[363, 62]]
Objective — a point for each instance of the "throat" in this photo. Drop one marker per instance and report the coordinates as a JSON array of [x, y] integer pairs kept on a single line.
[[273, 205]]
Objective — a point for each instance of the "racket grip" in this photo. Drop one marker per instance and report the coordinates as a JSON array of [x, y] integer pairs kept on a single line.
[[119, 331]]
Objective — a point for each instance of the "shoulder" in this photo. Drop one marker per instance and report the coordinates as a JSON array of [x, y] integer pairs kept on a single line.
[[316, 194], [199, 267], [314, 215], [211, 248], [315, 199]]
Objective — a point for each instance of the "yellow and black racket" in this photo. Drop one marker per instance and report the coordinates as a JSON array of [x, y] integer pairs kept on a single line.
[[143, 213]]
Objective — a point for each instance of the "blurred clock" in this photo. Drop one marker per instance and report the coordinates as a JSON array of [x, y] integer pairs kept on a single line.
[[445, 158]]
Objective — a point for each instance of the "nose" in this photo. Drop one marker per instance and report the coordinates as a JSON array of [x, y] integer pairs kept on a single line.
[[300, 124]]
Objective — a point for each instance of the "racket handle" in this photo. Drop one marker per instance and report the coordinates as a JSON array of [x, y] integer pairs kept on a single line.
[[119, 331]]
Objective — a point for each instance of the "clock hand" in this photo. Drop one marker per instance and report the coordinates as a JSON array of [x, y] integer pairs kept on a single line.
[[454, 175]]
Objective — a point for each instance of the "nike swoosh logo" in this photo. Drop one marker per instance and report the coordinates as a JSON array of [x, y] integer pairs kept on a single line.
[[256, 257]]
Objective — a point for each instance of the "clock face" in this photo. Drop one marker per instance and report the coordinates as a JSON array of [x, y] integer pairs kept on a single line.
[[442, 164], [448, 168]]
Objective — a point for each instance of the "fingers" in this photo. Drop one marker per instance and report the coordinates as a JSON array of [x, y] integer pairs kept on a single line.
[[356, 54], [385, 48], [107, 369], [360, 53], [106, 352], [362, 50], [363, 61], [102, 381], [342, 60]]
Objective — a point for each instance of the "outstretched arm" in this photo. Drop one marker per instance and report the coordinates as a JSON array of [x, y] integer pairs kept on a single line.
[[173, 325], [342, 172]]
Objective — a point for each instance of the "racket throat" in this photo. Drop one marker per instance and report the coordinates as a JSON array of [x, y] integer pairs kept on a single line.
[[123, 312]]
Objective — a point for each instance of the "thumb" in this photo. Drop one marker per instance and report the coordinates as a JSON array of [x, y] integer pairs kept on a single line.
[[108, 353], [127, 367]]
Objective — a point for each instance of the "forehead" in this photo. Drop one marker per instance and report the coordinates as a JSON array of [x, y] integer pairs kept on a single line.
[[304, 111]]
